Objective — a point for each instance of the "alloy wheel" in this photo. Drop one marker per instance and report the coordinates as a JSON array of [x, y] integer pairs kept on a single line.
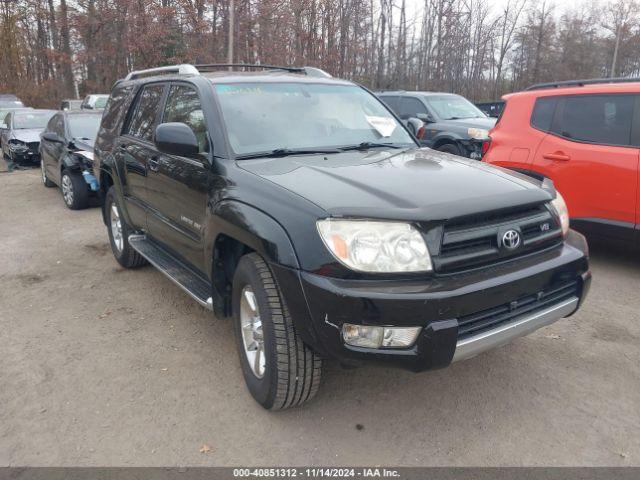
[[67, 189], [116, 228], [252, 335]]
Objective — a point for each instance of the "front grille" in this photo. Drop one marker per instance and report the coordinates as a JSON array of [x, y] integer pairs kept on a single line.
[[476, 241], [479, 322], [33, 146]]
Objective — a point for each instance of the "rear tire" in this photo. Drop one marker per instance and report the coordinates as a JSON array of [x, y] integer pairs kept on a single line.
[[119, 233], [288, 372], [450, 148], [75, 192]]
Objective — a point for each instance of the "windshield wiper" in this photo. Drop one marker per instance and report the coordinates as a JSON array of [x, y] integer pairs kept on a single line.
[[368, 145], [287, 152]]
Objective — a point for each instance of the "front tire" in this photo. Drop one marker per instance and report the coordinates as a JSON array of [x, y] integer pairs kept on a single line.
[[279, 369], [119, 233], [450, 148], [74, 190]]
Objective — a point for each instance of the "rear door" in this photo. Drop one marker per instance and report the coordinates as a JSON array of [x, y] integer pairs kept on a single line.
[[177, 186], [589, 155], [135, 148]]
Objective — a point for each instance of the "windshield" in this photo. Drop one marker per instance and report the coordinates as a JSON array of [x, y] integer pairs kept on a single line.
[[23, 120], [262, 117], [11, 104], [101, 102], [84, 126], [453, 107]]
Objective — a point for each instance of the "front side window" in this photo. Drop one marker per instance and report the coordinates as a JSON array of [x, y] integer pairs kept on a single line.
[[143, 120], [453, 107], [392, 102], [601, 119], [261, 117], [411, 107], [28, 120], [184, 106]]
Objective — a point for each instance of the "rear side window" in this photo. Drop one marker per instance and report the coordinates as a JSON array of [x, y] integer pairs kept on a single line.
[[143, 120], [410, 107], [542, 114], [114, 109], [601, 119]]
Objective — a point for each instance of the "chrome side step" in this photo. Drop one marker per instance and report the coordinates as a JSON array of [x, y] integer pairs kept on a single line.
[[180, 274]]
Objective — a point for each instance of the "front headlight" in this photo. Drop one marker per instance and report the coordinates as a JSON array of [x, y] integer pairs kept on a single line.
[[375, 246], [478, 133], [17, 145], [559, 205]]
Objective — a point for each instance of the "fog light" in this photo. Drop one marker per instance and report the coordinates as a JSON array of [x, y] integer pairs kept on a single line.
[[400, 337], [362, 335], [379, 337]]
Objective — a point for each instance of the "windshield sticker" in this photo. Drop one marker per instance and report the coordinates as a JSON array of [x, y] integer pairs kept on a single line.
[[383, 125]]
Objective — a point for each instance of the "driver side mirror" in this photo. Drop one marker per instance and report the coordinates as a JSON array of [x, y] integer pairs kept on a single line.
[[176, 138], [51, 137], [425, 117]]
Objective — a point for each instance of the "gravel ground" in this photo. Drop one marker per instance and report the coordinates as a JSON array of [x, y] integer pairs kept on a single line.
[[108, 367]]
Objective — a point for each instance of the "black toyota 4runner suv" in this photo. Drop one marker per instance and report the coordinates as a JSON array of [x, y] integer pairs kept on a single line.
[[300, 206]]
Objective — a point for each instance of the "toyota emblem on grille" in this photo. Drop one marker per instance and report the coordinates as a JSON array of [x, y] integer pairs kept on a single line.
[[511, 239]]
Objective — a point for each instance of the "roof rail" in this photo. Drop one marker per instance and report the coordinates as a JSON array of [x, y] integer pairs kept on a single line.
[[581, 83], [310, 71], [184, 69]]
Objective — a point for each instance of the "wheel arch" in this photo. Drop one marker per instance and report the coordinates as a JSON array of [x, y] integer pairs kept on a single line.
[[238, 229]]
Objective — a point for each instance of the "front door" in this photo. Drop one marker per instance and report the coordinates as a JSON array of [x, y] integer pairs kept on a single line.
[[51, 152], [135, 149], [177, 186], [591, 159]]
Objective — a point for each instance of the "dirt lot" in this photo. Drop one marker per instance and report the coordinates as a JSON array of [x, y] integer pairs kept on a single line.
[[103, 366]]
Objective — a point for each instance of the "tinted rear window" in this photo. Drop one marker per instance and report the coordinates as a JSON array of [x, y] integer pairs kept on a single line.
[[143, 120], [601, 119], [542, 114]]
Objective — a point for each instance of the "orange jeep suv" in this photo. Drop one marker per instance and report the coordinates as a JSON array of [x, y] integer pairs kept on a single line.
[[585, 136]]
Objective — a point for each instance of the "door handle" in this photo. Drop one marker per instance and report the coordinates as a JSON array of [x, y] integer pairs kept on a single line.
[[153, 164], [557, 156]]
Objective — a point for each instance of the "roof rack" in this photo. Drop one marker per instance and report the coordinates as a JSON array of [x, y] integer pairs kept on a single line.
[[186, 69], [581, 83], [309, 71]]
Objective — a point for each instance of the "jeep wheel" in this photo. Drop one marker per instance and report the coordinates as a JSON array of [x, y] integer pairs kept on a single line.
[[45, 179], [74, 190], [119, 233], [279, 369], [450, 148]]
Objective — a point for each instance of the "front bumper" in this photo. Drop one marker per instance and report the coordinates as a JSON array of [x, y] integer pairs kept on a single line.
[[24, 157], [321, 305]]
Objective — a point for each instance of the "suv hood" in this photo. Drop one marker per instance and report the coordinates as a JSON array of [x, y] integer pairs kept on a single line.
[[27, 135], [486, 123], [416, 184]]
